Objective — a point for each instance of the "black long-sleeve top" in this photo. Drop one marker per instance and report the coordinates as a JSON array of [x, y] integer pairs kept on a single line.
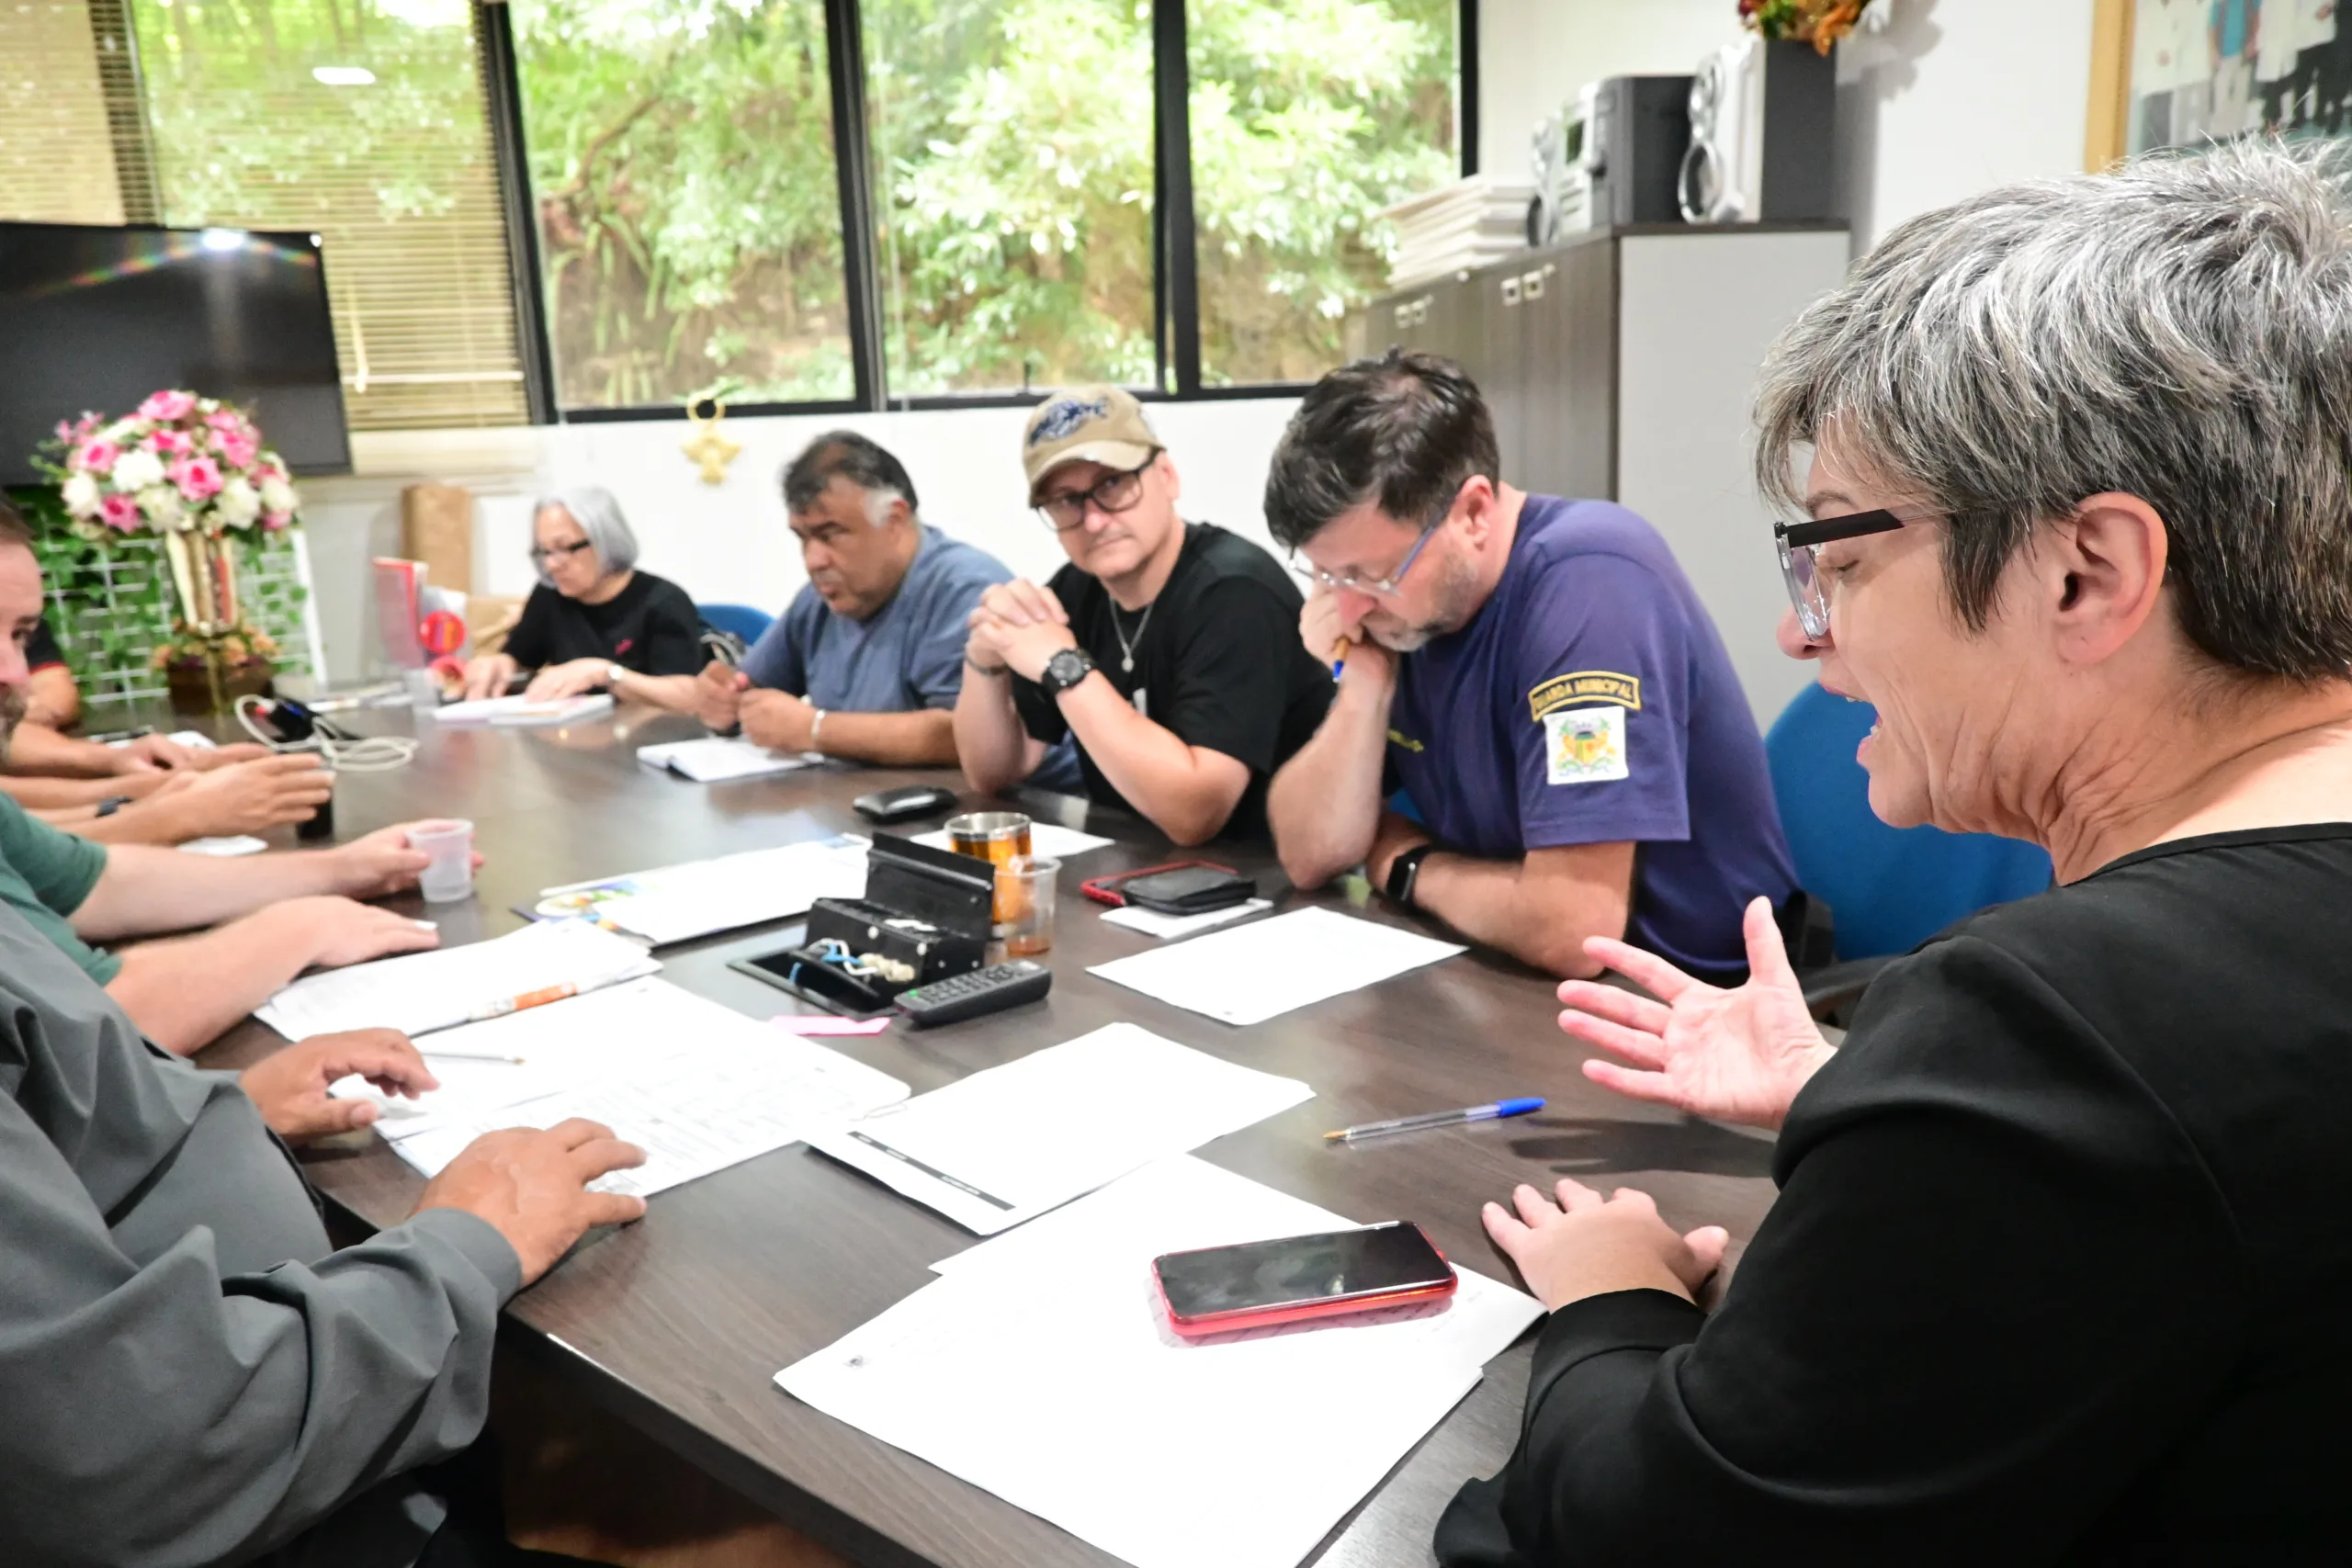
[[2058, 1271]]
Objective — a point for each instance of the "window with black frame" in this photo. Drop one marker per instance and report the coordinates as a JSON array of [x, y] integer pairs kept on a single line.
[[683, 172]]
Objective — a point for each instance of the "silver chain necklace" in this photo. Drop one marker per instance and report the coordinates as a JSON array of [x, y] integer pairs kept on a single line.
[[1126, 649]]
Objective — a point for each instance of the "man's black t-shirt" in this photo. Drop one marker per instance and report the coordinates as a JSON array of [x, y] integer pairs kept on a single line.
[[1218, 662], [650, 626], [2058, 1273]]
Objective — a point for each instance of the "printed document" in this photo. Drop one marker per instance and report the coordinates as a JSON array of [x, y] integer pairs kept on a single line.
[[1044, 839], [695, 1084], [1007, 1144], [513, 711], [1251, 973], [426, 990], [678, 903], [1241, 1449], [719, 758]]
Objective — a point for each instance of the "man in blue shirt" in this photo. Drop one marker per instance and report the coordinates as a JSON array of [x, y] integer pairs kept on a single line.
[[866, 662], [1536, 675]]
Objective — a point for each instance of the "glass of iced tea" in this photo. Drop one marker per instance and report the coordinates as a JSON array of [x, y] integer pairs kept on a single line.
[[995, 837], [1024, 899]]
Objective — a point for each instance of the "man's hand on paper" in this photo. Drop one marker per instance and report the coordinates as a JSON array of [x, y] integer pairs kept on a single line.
[[1589, 1246], [1735, 1055], [532, 1187], [289, 1088], [778, 720], [719, 696], [335, 931], [381, 864]]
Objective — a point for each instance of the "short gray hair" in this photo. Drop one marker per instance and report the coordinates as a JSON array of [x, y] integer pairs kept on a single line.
[[2180, 329], [599, 516]]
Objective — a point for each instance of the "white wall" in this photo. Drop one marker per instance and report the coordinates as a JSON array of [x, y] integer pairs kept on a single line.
[[1949, 97], [728, 542]]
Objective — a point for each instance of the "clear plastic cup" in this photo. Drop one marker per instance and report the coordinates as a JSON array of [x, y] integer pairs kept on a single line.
[[449, 875], [1024, 893]]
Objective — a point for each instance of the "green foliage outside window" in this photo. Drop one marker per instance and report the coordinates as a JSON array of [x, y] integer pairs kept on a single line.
[[682, 163]]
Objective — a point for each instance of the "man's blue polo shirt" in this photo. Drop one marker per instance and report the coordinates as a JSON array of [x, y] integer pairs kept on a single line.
[[1591, 701], [907, 656]]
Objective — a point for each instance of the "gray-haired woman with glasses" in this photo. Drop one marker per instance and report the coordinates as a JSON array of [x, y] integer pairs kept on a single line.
[[2058, 1268], [595, 622]]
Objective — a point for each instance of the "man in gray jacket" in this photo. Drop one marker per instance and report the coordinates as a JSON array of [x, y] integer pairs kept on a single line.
[[191, 1373]]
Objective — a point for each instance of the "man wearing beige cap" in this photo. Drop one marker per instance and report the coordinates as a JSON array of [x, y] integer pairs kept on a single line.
[[1167, 648]]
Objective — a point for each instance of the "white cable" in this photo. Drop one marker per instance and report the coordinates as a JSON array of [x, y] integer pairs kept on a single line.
[[374, 754]]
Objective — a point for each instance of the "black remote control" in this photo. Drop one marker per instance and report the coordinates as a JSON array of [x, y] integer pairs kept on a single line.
[[960, 996]]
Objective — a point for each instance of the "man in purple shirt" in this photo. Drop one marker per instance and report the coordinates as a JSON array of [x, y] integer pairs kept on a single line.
[[1535, 676]]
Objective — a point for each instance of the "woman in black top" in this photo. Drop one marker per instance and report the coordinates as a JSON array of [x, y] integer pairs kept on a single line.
[[594, 620], [2059, 1268]]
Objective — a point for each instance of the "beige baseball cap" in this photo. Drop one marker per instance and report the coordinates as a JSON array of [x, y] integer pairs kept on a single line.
[[1085, 424]]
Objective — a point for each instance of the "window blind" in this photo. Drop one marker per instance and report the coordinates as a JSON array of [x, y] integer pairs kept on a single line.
[[366, 122], [56, 159]]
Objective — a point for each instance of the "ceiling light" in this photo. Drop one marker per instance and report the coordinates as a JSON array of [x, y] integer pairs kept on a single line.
[[345, 75]]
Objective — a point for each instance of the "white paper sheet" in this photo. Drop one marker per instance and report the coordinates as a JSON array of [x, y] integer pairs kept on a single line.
[[1269, 967], [1011, 1143], [424, 991], [1044, 839], [235, 845], [678, 903], [1152, 922], [1040, 1367], [695, 1084], [521, 710], [719, 758]]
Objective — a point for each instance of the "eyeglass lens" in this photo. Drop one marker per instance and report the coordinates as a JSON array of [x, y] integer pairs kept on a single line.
[[1112, 493]]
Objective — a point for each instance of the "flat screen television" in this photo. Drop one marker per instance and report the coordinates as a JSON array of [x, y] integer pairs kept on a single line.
[[93, 318]]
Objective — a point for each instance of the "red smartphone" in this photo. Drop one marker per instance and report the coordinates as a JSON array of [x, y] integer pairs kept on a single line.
[[1217, 1290]]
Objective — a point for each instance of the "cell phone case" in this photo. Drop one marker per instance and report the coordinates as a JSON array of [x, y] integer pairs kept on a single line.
[[1189, 890]]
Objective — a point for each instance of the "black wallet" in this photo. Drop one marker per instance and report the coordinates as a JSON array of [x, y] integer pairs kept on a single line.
[[1188, 890]]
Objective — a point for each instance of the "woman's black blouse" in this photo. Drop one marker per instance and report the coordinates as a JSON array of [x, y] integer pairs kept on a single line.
[[650, 626], [2058, 1271]]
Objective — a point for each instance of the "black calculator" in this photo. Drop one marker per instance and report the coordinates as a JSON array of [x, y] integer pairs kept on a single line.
[[960, 996]]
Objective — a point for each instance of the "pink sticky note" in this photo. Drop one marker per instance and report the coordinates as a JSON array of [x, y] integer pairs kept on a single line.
[[826, 1023]]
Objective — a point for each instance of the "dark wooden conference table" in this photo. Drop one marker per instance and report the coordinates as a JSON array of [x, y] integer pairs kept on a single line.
[[678, 1324]]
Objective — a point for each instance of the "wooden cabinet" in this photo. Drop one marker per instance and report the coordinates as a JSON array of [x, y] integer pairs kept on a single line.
[[1621, 366]]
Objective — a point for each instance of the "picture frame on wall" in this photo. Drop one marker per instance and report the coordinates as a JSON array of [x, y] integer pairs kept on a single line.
[[2181, 73]]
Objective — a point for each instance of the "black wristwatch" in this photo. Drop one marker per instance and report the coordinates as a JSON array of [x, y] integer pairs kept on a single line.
[[1065, 670], [113, 804], [1404, 870]]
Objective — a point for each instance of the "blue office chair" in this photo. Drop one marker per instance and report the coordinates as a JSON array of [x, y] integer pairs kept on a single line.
[[739, 621], [1890, 888]]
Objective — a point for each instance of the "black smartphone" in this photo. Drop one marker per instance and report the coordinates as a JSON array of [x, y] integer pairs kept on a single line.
[[1217, 1290], [900, 805], [284, 720], [1188, 890]]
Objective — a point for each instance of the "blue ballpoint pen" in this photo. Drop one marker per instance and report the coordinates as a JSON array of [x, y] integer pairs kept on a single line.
[[1435, 1118]]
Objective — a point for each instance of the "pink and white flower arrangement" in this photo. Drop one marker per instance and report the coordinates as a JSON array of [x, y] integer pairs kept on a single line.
[[180, 463]]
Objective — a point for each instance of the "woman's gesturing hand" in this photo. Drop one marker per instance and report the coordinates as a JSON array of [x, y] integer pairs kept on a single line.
[[1737, 1055]]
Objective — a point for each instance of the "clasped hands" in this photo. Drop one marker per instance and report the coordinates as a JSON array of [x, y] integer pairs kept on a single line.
[[1737, 1055], [1018, 625]]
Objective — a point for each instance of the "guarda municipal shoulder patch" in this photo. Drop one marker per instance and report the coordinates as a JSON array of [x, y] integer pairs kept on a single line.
[[1584, 686], [1586, 745]]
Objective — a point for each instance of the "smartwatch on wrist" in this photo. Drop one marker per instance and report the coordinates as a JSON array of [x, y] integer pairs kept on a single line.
[[1404, 870], [1065, 670], [113, 804]]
